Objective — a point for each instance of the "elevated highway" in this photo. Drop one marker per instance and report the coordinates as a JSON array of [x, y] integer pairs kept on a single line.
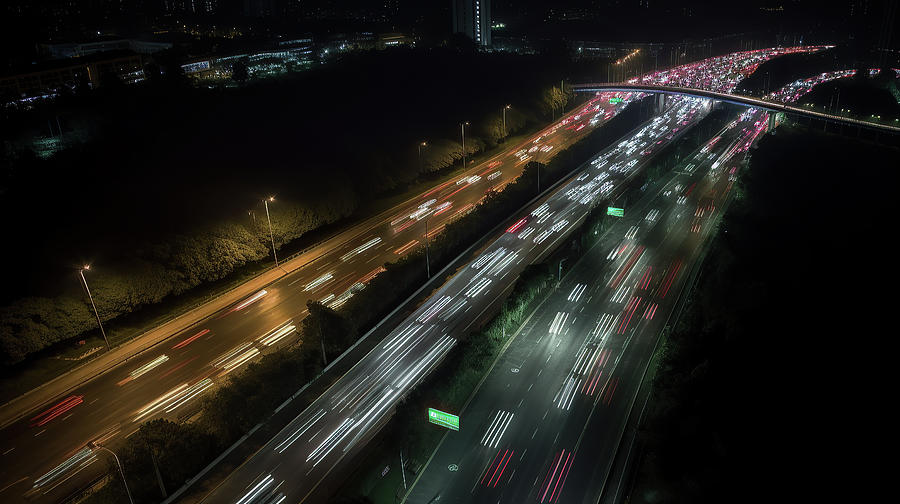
[[750, 101]]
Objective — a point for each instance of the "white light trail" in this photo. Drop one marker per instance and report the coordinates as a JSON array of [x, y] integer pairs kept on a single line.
[[497, 428], [256, 490], [318, 281], [252, 299], [558, 322], [284, 445], [362, 248], [149, 366], [576, 293], [277, 334]]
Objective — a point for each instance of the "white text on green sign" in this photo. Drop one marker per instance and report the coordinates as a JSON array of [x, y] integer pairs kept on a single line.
[[443, 419], [615, 212]]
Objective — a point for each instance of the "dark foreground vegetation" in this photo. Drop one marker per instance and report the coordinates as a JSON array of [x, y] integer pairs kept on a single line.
[[160, 185], [768, 387], [778, 72], [861, 96], [251, 396]]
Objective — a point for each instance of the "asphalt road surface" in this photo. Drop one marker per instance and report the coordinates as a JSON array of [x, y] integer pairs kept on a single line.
[[44, 453], [294, 462], [546, 423]]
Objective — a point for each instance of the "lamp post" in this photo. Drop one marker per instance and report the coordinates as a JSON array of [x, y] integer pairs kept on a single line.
[[421, 144], [271, 235], [504, 120], [427, 260], [86, 288], [463, 128], [94, 446]]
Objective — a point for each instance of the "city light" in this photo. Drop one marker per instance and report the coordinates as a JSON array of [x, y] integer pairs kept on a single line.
[[155, 128]]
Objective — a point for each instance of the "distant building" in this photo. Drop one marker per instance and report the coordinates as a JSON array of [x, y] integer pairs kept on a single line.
[[294, 54], [340, 43], [516, 44], [190, 6], [472, 18], [81, 49], [260, 8], [387, 40], [52, 79], [571, 14]]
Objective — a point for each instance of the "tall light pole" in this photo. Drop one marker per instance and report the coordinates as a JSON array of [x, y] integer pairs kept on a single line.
[[427, 260], [94, 446], [421, 144], [504, 120], [81, 272], [271, 235], [463, 127]]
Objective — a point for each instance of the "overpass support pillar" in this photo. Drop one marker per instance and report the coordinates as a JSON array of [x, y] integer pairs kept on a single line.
[[772, 122], [660, 102]]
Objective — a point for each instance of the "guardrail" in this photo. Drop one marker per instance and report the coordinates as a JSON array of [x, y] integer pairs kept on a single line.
[[736, 99]]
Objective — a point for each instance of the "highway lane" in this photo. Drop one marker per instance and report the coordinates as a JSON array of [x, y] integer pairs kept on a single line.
[[263, 478], [169, 380], [293, 463], [697, 224], [572, 368], [109, 408], [547, 422], [606, 429], [720, 73]]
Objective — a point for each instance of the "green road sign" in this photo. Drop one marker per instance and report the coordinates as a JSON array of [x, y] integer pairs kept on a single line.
[[615, 212], [443, 419], [615, 100]]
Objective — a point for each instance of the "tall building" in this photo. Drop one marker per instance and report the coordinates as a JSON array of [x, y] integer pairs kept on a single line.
[[260, 8], [190, 6], [472, 18]]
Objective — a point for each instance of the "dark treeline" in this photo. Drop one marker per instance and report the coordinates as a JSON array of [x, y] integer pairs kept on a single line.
[[864, 97], [778, 72], [160, 185], [762, 390]]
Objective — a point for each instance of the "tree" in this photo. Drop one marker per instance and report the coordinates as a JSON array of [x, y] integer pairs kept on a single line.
[[327, 329], [239, 71], [462, 43], [358, 499], [178, 449]]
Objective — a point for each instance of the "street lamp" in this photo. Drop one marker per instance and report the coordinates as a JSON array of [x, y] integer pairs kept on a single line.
[[463, 127], [271, 235], [427, 260], [421, 144], [81, 272], [504, 120], [94, 446]]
